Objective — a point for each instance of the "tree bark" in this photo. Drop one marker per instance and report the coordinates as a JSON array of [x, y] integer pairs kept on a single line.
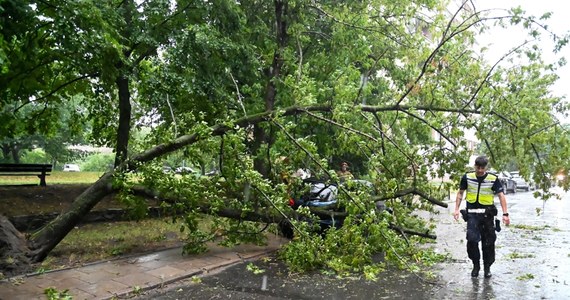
[[15, 153], [43, 241], [124, 130], [260, 134]]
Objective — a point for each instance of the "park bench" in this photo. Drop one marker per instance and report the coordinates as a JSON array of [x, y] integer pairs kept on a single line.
[[40, 170]]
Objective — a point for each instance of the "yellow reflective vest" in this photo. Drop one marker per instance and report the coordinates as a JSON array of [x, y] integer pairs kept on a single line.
[[480, 192]]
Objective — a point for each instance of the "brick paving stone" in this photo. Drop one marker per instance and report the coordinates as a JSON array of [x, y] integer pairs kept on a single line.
[[108, 267], [126, 269], [165, 257], [78, 294], [21, 295], [60, 275], [114, 270], [158, 255], [137, 279], [94, 277], [64, 284], [151, 265], [8, 291], [189, 266], [228, 255], [104, 288], [26, 286], [167, 272]]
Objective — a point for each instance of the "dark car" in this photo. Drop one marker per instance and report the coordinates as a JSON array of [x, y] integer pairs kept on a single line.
[[324, 196], [509, 184], [521, 183]]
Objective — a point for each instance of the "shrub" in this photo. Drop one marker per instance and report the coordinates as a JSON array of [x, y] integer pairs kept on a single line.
[[36, 156], [97, 162]]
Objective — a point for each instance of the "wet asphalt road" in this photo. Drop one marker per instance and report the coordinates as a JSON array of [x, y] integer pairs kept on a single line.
[[532, 255], [532, 262]]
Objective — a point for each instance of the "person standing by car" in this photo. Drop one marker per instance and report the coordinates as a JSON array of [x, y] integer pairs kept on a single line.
[[344, 173], [481, 188]]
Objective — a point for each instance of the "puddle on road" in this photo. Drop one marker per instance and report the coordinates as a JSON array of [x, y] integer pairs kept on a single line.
[[532, 255]]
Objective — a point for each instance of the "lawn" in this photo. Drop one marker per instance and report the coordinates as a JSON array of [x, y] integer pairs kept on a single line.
[[55, 177], [104, 241]]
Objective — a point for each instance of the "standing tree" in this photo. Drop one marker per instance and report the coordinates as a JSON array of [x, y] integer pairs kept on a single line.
[[256, 81]]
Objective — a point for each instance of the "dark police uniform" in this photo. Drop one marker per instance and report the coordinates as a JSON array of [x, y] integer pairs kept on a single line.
[[480, 214]]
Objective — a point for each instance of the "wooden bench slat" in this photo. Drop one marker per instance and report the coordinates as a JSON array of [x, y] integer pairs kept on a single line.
[[20, 174], [19, 169], [24, 165], [24, 170], [33, 168]]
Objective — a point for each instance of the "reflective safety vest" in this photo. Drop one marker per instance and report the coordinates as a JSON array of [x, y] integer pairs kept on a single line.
[[480, 192]]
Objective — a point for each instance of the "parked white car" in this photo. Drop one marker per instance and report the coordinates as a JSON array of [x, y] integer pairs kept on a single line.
[[70, 168]]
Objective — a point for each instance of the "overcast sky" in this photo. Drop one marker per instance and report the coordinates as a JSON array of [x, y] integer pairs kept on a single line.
[[504, 40]]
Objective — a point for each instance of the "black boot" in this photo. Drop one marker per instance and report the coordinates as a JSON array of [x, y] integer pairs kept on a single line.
[[487, 270], [476, 268]]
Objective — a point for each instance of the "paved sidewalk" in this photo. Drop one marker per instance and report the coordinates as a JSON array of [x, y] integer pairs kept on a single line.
[[122, 277]]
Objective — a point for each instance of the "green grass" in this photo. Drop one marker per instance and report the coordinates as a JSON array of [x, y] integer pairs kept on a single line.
[[55, 177], [530, 227], [516, 255], [525, 277], [103, 241]]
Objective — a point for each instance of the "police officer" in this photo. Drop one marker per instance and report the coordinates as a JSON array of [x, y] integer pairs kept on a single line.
[[481, 188]]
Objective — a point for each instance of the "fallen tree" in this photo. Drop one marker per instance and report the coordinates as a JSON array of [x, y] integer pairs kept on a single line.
[[266, 88], [35, 247]]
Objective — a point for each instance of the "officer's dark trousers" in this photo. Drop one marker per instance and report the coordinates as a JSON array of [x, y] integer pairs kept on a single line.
[[481, 227]]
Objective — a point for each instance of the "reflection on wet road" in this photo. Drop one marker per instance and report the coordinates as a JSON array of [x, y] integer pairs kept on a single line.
[[532, 255]]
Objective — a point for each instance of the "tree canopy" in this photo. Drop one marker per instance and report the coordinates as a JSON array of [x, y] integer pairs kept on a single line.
[[261, 88]]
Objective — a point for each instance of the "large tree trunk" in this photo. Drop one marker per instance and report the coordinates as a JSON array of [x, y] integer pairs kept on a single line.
[[261, 137], [43, 241], [15, 153], [124, 130]]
